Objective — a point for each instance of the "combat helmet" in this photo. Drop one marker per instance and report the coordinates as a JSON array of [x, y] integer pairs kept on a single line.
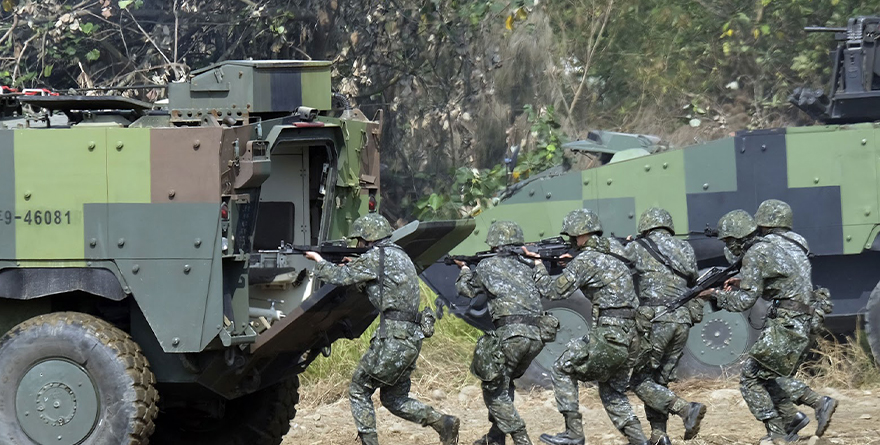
[[503, 233], [737, 224], [774, 213], [655, 218], [581, 222], [371, 227]]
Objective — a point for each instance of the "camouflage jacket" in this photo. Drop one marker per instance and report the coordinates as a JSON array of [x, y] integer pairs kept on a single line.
[[604, 279], [770, 272], [657, 284], [783, 238], [508, 281], [401, 282]]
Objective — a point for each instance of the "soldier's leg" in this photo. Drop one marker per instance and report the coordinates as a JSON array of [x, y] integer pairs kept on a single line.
[[360, 394], [566, 391], [397, 400], [613, 396], [676, 339], [752, 386], [659, 402]]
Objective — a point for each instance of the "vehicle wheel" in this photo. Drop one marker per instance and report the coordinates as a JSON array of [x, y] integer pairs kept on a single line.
[[261, 418], [872, 323], [575, 316], [70, 378], [717, 346]]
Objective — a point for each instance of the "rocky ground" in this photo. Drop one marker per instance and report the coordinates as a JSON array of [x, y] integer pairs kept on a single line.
[[728, 421]]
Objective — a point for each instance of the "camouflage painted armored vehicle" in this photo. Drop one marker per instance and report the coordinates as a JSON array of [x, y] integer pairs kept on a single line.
[[829, 174], [146, 259]]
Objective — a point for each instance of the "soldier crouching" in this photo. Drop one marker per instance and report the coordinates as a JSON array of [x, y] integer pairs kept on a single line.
[[392, 285], [607, 353]]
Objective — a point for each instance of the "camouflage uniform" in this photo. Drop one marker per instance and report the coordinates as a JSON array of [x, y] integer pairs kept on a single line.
[[774, 218], [394, 348], [770, 272], [515, 305], [664, 344], [606, 354]]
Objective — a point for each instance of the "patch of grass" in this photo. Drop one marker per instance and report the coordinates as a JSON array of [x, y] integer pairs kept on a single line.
[[842, 365], [443, 364]]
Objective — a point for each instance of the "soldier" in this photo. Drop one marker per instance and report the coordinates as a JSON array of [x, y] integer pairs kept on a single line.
[[604, 355], [504, 354], [769, 272], [774, 220], [667, 267], [389, 278]]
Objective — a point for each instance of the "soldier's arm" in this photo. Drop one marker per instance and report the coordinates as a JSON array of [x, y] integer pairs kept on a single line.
[[362, 269], [750, 288], [575, 275], [468, 283]]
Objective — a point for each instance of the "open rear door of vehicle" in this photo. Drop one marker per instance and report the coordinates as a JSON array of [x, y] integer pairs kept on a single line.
[[332, 312]]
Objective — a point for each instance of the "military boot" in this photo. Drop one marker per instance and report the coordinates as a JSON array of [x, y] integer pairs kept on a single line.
[[692, 417], [447, 428], [775, 432], [521, 437], [663, 440], [493, 437], [798, 423], [369, 438], [826, 409], [573, 434]]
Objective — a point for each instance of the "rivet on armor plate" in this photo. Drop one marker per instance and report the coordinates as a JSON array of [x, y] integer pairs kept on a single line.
[[119, 145], [665, 165], [541, 233], [198, 243], [476, 231], [135, 268], [631, 215], [742, 150], [647, 168], [197, 144], [849, 237], [763, 147], [815, 180], [92, 146], [867, 212], [548, 195], [187, 268], [531, 193], [706, 186], [121, 242], [608, 181], [175, 341], [586, 182], [93, 242], [27, 196], [171, 194], [864, 142]]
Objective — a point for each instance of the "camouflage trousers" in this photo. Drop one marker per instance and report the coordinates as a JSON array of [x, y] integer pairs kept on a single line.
[[498, 393], [394, 397], [650, 382], [612, 390], [763, 392]]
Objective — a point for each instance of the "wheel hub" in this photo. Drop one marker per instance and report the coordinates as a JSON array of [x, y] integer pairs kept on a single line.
[[719, 339], [56, 403]]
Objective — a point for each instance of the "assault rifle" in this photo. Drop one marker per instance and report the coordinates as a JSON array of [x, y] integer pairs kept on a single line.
[[333, 251], [714, 277], [549, 249]]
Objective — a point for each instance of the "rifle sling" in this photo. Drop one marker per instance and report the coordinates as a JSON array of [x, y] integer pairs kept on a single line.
[[530, 320], [794, 241], [654, 250]]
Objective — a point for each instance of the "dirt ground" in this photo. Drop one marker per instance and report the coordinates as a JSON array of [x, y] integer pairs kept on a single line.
[[728, 421]]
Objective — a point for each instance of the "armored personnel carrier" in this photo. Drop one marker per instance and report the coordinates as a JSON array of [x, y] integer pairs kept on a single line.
[[828, 173], [149, 286]]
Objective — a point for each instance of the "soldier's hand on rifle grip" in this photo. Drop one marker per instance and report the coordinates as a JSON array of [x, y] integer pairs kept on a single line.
[[731, 283], [460, 264], [347, 259], [314, 256]]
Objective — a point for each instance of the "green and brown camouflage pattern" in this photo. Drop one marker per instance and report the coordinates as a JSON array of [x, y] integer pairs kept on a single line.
[[503, 233], [370, 227], [774, 213]]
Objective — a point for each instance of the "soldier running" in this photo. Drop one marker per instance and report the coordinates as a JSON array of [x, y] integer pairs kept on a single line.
[[504, 354], [774, 220], [604, 354], [391, 283], [667, 267], [769, 272]]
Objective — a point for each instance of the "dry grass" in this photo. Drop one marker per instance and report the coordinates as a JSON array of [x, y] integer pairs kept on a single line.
[[841, 365], [443, 363]]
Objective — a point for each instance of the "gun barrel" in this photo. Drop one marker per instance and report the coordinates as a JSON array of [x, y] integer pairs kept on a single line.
[[823, 29]]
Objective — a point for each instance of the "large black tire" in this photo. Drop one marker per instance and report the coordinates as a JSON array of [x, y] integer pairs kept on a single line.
[[71, 378], [575, 317], [261, 418], [872, 323]]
